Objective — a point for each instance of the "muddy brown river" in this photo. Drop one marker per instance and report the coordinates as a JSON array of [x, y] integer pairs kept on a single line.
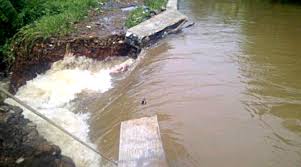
[[227, 91]]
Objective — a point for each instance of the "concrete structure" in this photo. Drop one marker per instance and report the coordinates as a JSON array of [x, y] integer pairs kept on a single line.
[[155, 28], [140, 144]]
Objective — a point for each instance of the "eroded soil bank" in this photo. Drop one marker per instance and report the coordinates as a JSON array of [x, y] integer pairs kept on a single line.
[[100, 36], [44, 53]]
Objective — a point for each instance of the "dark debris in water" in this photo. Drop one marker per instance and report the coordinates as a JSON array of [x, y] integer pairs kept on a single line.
[[143, 102]]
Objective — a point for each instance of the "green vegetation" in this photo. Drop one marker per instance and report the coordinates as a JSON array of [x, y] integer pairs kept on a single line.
[[155, 5], [286, 1], [137, 16], [140, 14], [24, 21]]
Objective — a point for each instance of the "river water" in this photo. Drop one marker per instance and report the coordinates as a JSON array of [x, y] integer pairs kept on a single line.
[[227, 91]]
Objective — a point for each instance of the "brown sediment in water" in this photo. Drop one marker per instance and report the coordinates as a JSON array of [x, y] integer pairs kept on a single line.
[[100, 36]]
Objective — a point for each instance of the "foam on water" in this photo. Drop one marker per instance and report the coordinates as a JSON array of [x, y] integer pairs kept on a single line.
[[50, 94]]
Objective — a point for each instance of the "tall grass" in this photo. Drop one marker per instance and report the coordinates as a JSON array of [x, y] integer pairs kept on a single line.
[[58, 19]]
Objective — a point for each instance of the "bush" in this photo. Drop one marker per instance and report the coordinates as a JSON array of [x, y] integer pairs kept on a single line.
[[24, 21]]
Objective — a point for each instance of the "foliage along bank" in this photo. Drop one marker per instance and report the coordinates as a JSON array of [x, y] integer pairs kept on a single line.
[[24, 21], [142, 13]]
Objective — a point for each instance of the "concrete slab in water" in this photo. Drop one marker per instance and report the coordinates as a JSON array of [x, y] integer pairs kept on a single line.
[[140, 144], [155, 27]]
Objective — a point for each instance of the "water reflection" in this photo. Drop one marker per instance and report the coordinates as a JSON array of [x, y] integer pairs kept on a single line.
[[271, 64], [227, 91]]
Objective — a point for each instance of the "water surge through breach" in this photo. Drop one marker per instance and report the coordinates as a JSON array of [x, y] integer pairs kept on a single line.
[[52, 94]]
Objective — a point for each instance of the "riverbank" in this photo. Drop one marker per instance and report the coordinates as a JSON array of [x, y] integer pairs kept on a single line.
[[22, 145], [99, 36]]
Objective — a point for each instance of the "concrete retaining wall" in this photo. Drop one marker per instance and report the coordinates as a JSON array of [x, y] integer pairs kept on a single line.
[[156, 27]]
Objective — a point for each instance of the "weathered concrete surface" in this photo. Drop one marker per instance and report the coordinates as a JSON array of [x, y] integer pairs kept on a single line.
[[140, 144], [172, 4], [154, 28]]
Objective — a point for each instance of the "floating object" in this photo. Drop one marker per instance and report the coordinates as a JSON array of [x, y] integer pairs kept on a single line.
[[143, 102]]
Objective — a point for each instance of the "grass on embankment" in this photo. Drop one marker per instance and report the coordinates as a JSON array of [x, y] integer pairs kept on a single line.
[[141, 13], [40, 19], [136, 16], [59, 17]]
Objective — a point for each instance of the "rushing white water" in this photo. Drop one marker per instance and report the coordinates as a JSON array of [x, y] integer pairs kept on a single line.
[[52, 92]]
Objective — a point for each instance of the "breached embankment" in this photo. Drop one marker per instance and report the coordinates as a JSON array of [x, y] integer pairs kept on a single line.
[[45, 52], [52, 93], [48, 80]]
